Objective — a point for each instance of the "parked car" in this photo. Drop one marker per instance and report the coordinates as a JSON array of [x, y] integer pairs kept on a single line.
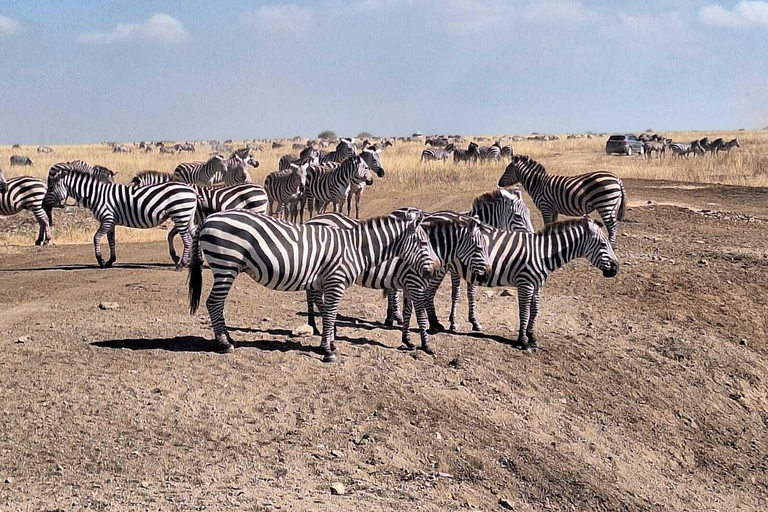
[[624, 145]]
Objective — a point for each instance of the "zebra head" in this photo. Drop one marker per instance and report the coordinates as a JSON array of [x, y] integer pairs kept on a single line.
[[101, 173], [597, 248], [58, 191], [520, 166], [373, 160], [473, 249], [362, 173], [301, 171], [414, 246], [239, 172], [516, 216]]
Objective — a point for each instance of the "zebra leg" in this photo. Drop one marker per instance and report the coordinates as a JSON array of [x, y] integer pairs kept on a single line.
[[171, 249], [332, 294], [104, 228], [394, 315], [186, 238], [533, 342], [455, 298], [434, 323], [357, 203], [222, 283], [472, 300], [406, 327], [609, 219], [43, 236], [418, 299], [313, 297], [524, 295], [112, 247]]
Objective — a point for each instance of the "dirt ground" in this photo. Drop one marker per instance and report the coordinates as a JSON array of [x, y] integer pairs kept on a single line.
[[650, 392]]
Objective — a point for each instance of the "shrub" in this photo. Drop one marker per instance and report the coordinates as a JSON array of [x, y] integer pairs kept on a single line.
[[327, 134], [364, 135]]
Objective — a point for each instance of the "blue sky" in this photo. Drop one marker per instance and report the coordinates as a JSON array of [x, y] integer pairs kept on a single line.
[[130, 70]]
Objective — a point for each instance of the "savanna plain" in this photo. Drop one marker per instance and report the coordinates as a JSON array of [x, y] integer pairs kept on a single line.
[[650, 391]]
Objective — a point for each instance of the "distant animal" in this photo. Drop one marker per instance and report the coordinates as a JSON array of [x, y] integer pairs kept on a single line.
[[344, 150], [371, 157], [217, 170], [121, 148], [276, 144], [490, 152], [16, 146], [100, 173], [507, 152], [283, 188], [190, 148], [437, 154], [26, 193], [330, 183], [20, 160], [652, 147], [167, 150], [727, 146], [471, 154], [44, 149], [569, 195]]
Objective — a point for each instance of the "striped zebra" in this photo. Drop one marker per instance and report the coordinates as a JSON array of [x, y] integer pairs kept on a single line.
[[507, 152], [99, 172], [525, 260], [344, 149], [26, 193], [285, 188], [371, 157], [683, 149], [296, 257], [493, 152], [727, 147], [453, 237], [44, 149], [20, 160], [166, 150], [437, 154], [569, 195], [331, 182], [217, 170], [211, 200], [471, 154], [121, 205]]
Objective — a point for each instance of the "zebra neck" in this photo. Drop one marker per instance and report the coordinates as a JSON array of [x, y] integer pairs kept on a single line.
[[375, 245], [560, 248], [534, 182]]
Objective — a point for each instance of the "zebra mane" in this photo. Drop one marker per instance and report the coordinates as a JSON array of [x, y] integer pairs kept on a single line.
[[528, 163], [493, 195], [70, 170], [565, 225], [160, 174]]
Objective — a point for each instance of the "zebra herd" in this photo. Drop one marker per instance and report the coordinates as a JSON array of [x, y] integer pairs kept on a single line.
[[227, 221], [473, 153], [658, 145]]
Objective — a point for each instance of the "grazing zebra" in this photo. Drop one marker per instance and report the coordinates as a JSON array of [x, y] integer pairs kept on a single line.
[[471, 154], [296, 257], [20, 160], [507, 152], [435, 154], [285, 188], [727, 146], [569, 195], [121, 148], [166, 150], [453, 237], [44, 149], [490, 152], [16, 146], [344, 149], [26, 193], [184, 147], [370, 156], [331, 182], [525, 260], [120, 205]]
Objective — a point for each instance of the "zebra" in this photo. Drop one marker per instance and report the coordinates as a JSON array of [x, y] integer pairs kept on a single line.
[[471, 154], [331, 182], [285, 188], [490, 152], [20, 160], [26, 193], [99, 172], [166, 150], [44, 149], [121, 148], [653, 146], [507, 152], [683, 149], [727, 146], [525, 260], [184, 147], [216, 170], [121, 205], [344, 149], [434, 153], [370, 156], [453, 237], [16, 146], [296, 257], [569, 195]]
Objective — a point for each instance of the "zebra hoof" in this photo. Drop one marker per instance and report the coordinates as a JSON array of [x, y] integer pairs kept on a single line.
[[453, 329], [224, 348], [330, 358], [477, 327], [389, 322], [399, 319], [407, 345], [435, 327], [109, 263], [428, 350]]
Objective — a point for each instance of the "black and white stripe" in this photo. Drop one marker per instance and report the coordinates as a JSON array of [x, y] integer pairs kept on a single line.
[[20, 160], [296, 257], [120, 205], [453, 237], [471, 154], [217, 170], [331, 182], [284, 188], [344, 149], [569, 195], [486, 153], [437, 154], [26, 193], [371, 157], [525, 260]]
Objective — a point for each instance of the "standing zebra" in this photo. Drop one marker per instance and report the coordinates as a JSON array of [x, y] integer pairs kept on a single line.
[[471, 154], [526, 260], [44, 149], [217, 170], [285, 188], [296, 257], [370, 156], [331, 182], [453, 237], [569, 195], [20, 160], [434, 154], [120, 205], [507, 152], [490, 152], [99, 172], [26, 193], [727, 146], [344, 149]]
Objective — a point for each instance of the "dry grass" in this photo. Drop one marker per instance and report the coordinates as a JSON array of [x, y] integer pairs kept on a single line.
[[747, 166]]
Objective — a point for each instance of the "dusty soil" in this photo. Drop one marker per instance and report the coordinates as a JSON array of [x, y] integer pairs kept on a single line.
[[650, 392]]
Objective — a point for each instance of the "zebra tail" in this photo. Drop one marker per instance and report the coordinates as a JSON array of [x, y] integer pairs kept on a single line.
[[623, 203], [195, 273]]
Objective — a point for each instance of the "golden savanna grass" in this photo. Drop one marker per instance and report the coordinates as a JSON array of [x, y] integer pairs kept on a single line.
[[747, 166]]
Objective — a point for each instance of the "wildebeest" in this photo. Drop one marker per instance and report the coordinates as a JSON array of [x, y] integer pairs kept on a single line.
[[20, 160]]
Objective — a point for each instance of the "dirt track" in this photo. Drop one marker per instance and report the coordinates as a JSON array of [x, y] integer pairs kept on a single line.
[[651, 391]]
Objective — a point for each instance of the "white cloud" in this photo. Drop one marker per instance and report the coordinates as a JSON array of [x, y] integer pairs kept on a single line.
[[160, 28], [283, 18], [561, 11], [745, 14], [9, 26]]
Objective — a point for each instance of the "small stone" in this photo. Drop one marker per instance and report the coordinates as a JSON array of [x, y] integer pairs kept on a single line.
[[743, 341], [266, 319], [337, 454], [108, 305], [23, 339], [505, 503], [8, 480], [488, 294], [338, 489], [445, 475], [563, 400], [703, 263], [625, 234], [302, 331], [438, 436], [507, 293], [145, 484], [59, 467]]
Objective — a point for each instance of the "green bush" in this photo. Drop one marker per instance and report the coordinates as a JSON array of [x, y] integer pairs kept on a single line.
[[327, 134]]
